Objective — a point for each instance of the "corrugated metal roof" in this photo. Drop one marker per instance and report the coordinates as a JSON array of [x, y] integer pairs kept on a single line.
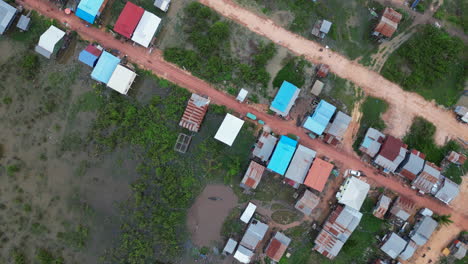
[[23, 23], [429, 178], [128, 19], [325, 27], [307, 202], [382, 206], [386, 27], [339, 125], [393, 15], [87, 58], [393, 246], [423, 230], [409, 250], [392, 153], [254, 234], [285, 98], [318, 121], [448, 192], [300, 164], [264, 147], [283, 154], [412, 165], [403, 208], [88, 9], [248, 213], [253, 175], [277, 246], [146, 29], [230, 246], [7, 14], [318, 174], [162, 4], [243, 254], [371, 143], [104, 68], [194, 113]]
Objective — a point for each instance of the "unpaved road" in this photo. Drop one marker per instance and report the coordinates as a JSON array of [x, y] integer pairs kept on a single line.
[[155, 63], [405, 105]]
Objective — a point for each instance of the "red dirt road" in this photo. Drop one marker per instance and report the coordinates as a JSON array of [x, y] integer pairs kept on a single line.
[[405, 105], [158, 66]]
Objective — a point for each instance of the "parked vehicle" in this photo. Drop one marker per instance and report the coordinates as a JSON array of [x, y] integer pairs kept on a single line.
[[355, 173]]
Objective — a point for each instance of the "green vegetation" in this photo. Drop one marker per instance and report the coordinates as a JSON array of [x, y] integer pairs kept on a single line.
[[46, 257], [30, 65], [421, 137], [454, 11], [341, 93], [422, 6], [13, 169], [372, 109], [285, 217], [19, 257], [232, 227], [301, 244], [293, 72], [443, 219], [75, 238], [39, 24], [211, 58], [431, 63], [455, 172]]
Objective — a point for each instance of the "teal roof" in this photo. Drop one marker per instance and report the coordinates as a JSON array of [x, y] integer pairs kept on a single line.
[[88, 9], [284, 97], [105, 67], [283, 154], [319, 120]]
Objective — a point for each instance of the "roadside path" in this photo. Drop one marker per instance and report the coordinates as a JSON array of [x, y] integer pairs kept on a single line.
[[155, 63], [406, 105]]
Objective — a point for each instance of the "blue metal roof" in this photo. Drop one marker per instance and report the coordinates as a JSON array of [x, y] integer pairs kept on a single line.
[[283, 154], [105, 67], [88, 10], [284, 96], [319, 120], [87, 58]]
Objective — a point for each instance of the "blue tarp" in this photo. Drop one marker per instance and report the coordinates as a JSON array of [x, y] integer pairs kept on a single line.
[[284, 96], [88, 10], [87, 58], [283, 154], [319, 120], [105, 67]]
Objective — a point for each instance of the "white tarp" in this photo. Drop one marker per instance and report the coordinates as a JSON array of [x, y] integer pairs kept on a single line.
[[229, 129], [50, 38], [146, 28], [248, 213], [242, 95], [121, 79]]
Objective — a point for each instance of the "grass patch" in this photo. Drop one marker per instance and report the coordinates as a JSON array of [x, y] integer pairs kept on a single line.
[[38, 24], [454, 11], [421, 137], [372, 109], [455, 173], [285, 217], [301, 244], [292, 71], [432, 64], [341, 93]]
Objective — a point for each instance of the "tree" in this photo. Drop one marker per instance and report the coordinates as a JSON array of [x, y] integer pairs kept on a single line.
[[443, 219]]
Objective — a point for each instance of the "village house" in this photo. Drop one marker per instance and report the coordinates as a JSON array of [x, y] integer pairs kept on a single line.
[[335, 131], [321, 28], [372, 142], [307, 202], [243, 254], [277, 246], [393, 245], [90, 55], [429, 179], [242, 95], [388, 23], [282, 156], [254, 234], [252, 176], [423, 230], [162, 4], [264, 146], [285, 99], [121, 79], [448, 191], [7, 15], [229, 129], [23, 23], [318, 174], [409, 250], [230, 247], [337, 229], [317, 88], [88, 10], [403, 208], [128, 20], [299, 166], [194, 113], [353, 192], [462, 113], [50, 42], [106, 65], [248, 213], [323, 70], [412, 165], [318, 121], [457, 249], [382, 206], [456, 158], [146, 29], [391, 154]]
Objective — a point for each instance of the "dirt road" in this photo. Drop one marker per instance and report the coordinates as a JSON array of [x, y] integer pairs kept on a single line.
[[405, 105], [158, 66]]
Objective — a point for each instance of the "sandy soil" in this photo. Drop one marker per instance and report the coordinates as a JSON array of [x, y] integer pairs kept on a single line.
[[206, 217], [407, 104], [158, 66]]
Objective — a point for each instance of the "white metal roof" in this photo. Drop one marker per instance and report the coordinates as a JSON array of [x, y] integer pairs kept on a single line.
[[121, 79], [146, 28], [229, 129], [248, 213], [7, 14], [354, 193], [242, 95], [243, 254], [162, 4], [49, 39], [230, 246]]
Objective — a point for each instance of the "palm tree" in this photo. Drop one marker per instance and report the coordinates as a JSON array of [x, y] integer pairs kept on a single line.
[[443, 219]]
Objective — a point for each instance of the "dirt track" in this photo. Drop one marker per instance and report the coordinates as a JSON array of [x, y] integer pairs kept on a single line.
[[158, 66], [404, 105]]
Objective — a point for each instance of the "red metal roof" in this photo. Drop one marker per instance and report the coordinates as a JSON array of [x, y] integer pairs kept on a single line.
[[275, 249], [93, 50], [194, 113], [323, 70], [318, 174], [391, 148], [385, 28], [392, 15], [128, 19]]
